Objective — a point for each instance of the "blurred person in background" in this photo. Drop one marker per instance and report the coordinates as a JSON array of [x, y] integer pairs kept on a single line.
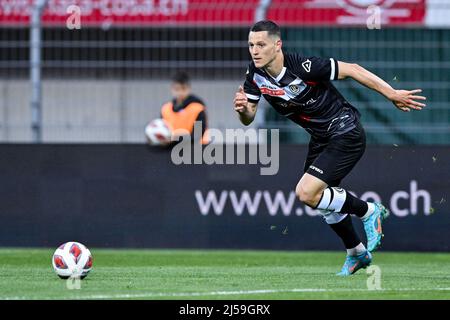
[[185, 108]]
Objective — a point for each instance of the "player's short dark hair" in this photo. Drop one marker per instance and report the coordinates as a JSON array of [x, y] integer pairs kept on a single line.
[[266, 25], [181, 77]]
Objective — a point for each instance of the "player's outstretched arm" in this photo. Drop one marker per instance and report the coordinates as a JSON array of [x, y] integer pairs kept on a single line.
[[245, 109], [404, 100]]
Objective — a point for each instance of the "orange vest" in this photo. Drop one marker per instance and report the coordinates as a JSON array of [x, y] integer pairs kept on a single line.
[[184, 119]]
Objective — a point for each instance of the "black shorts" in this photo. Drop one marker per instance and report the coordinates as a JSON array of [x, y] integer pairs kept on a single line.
[[332, 159]]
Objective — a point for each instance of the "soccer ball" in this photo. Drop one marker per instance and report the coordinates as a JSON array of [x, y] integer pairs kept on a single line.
[[72, 260], [157, 132]]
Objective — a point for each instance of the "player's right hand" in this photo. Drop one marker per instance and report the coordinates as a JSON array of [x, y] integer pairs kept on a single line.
[[240, 101], [406, 100]]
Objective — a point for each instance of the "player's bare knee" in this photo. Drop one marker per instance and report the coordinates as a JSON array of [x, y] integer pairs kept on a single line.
[[305, 194]]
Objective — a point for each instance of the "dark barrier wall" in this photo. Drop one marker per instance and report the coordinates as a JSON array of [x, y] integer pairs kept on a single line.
[[134, 196]]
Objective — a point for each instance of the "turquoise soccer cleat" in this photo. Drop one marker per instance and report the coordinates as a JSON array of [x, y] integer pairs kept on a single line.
[[354, 263], [372, 226]]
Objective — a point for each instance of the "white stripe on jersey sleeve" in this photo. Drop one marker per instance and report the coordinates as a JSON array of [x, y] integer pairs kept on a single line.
[[250, 96], [333, 68]]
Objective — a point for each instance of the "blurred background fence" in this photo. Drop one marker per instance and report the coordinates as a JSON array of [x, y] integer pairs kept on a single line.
[[105, 81]]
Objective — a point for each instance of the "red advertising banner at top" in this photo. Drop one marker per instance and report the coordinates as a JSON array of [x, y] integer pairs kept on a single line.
[[348, 12], [217, 12], [134, 12]]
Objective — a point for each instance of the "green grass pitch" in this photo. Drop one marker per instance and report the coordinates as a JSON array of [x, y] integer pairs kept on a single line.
[[195, 274]]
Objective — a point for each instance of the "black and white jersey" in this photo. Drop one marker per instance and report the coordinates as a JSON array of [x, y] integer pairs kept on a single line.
[[303, 93]]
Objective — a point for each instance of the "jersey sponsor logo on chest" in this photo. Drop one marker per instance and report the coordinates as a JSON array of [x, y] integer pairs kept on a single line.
[[267, 87], [272, 91]]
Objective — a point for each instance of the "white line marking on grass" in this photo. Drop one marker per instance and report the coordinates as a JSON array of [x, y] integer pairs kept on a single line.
[[222, 293]]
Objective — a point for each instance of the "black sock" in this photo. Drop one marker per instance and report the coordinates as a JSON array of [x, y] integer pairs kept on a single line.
[[345, 230], [354, 206]]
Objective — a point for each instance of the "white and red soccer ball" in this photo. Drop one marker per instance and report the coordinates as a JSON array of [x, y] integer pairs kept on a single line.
[[72, 260], [158, 132]]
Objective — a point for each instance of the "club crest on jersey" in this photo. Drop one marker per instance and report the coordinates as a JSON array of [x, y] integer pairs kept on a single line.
[[294, 88], [307, 65]]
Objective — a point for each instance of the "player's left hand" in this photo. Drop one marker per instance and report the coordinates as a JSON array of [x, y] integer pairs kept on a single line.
[[406, 100]]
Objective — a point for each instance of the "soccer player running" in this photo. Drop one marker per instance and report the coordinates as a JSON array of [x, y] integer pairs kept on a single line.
[[300, 88]]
